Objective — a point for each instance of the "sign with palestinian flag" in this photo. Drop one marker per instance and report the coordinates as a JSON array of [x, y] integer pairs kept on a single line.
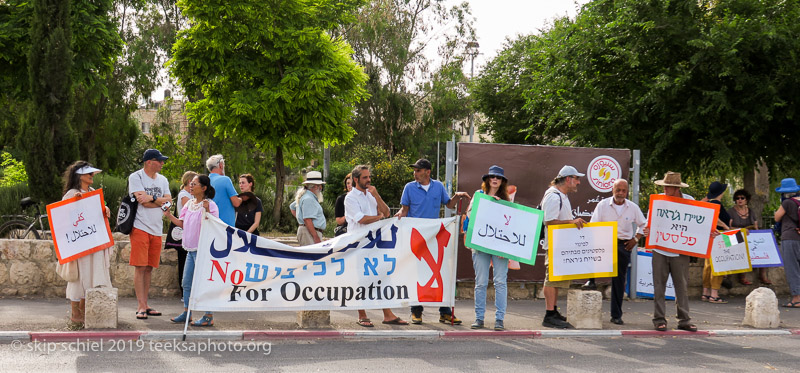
[[730, 253]]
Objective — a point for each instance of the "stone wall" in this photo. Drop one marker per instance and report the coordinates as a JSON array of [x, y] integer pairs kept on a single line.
[[27, 268]]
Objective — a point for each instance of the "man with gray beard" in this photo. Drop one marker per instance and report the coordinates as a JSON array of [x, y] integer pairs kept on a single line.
[[309, 211]]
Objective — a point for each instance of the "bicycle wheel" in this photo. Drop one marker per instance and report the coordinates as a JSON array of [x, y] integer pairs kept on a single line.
[[18, 230]]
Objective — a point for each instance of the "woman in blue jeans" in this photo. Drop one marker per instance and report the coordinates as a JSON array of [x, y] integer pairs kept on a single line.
[[495, 185], [191, 217]]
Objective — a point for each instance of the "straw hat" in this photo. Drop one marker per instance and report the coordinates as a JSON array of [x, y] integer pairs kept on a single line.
[[672, 179]]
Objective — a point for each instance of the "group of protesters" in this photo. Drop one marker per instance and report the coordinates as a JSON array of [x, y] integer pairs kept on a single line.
[[361, 204]]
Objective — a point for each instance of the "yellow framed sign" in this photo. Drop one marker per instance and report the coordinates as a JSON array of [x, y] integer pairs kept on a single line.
[[588, 252], [730, 253]]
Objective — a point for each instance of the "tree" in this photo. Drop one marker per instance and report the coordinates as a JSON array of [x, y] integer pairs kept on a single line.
[[269, 71], [50, 143]]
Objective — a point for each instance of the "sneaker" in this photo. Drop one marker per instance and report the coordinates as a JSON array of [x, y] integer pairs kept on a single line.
[[559, 315], [498, 325], [416, 319], [555, 322], [478, 324], [446, 319], [589, 285]]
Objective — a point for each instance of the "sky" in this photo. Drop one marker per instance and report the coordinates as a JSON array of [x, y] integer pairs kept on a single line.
[[496, 20]]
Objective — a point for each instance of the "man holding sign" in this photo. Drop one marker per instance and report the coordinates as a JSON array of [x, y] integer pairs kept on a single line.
[[423, 198], [626, 213], [558, 210]]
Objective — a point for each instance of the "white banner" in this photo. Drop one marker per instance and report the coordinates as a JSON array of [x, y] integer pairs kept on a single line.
[[644, 277], [79, 226], [763, 249], [729, 253], [588, 252], [680, 225], [390, 263]]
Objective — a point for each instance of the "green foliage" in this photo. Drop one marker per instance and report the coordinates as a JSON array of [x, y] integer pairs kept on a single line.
[[389, 176], [12, 171], [10, 195]]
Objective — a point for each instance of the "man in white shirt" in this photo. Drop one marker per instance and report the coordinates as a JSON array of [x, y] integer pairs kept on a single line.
[[626, 213], [363, 206], [558, 210]]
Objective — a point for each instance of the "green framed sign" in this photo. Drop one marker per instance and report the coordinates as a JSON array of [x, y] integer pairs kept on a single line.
[[505, 229]]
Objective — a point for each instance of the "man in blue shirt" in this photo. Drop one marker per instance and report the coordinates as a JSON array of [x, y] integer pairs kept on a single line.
[[423, 198], [226, 197]]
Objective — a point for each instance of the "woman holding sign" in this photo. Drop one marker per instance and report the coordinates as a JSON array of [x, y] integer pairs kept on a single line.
[[494, 184], [191, 217], [711, 283], [743, 217], [93, 269]]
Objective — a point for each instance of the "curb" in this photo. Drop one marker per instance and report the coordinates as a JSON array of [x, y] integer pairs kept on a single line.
[[749, 332], [491, 334], [581, 333], [668, 333], [84, 336], [291, 334], [9, 337]]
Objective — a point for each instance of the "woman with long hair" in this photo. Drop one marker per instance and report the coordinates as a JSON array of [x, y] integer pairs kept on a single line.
[[743, 217], [495, 184], [93, 269], [191, 217]]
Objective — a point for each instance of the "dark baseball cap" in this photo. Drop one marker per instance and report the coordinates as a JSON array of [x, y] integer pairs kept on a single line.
[[422, 163], [153, 154]]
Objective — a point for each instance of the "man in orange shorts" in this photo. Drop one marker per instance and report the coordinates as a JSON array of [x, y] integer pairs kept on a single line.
[[152, 191]]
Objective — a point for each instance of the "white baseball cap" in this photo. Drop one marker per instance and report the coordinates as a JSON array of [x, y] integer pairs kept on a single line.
[[87, 170], [569, 171]]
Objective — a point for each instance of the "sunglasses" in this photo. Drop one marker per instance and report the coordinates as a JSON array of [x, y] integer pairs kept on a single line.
[[740, 197], [495, 177]]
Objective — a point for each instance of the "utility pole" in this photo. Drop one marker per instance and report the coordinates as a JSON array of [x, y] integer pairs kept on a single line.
[[472, 51]]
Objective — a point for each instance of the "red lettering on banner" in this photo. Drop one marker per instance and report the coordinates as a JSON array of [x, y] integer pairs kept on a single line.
[[419, 247], [237, 276], [215, 265]]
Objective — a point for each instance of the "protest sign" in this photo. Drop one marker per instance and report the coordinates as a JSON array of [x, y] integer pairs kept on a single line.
[[680, 225], [79, 226], [588, 252], [390, 263], [729, 253], [763, 249], [644, 277], [504, 229]]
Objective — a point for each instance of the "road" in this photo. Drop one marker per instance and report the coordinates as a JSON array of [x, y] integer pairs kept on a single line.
[[714, 354]]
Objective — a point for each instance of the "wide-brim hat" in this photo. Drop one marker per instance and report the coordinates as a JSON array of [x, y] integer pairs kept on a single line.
[[715, 189], [87, 170], [672, 179], [314, 177], [495, 171], [788, 185]]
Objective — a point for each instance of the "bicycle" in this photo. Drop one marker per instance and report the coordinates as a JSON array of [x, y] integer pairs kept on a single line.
[[22, 227]]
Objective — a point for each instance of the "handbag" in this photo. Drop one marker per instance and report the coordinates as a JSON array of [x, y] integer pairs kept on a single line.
[[174, 237], [68, 271], [126, 214], [339, 230]]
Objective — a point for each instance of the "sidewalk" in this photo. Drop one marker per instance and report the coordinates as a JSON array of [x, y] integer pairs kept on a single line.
[[38, 319]]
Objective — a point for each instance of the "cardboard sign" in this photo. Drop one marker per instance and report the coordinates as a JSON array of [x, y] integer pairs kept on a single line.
[[763, 249], [680, 225], [644, 277], [729, 253], [588, 252], [79, 226], [504, 229]]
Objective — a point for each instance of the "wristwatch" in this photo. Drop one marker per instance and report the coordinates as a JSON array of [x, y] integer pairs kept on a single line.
[[154, 199]]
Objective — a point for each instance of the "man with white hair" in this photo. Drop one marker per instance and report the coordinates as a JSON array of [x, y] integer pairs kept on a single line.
[[309, 211], [226, 198]]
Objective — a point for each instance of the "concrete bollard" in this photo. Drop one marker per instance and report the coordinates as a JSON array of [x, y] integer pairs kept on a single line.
[[585, 309], [314, 319], [101, 308], [761, 309]]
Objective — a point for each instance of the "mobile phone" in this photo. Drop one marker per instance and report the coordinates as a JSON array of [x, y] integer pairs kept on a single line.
[[166, 205]]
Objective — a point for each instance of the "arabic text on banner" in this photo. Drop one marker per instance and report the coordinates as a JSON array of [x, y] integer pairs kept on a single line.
[[504, 229], [680, 225], [390, 263], [588, 252], [729, 253], [644, 277], [763, 249], [79, 226]]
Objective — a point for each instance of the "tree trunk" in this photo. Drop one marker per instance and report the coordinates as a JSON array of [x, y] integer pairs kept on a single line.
[[280, 177], [756, 182]]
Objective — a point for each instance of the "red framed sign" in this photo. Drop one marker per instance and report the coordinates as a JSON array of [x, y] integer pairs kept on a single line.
[[681, 226], [79, 226]]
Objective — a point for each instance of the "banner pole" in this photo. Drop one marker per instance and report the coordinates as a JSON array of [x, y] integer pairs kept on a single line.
[[186, 323], [455, 260]]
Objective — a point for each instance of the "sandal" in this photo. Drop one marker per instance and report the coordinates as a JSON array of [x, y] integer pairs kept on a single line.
[[717, 300], [180, 318], [396, 321], [688, 327], [745, 281], [661, 327], [152, 312], [705, 298], [206, 320], [766, 281], [792, 305], [367, 323], [141, 315]]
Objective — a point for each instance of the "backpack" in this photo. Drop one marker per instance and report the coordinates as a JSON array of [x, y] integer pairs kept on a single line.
[[544, 227]]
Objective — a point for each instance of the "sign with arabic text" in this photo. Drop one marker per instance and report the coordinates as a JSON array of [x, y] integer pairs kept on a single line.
[[644, 277], [504, 229], [729, 253], [763, 249], [389, 263], [79, 226], [588, 252], [681, 226]]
